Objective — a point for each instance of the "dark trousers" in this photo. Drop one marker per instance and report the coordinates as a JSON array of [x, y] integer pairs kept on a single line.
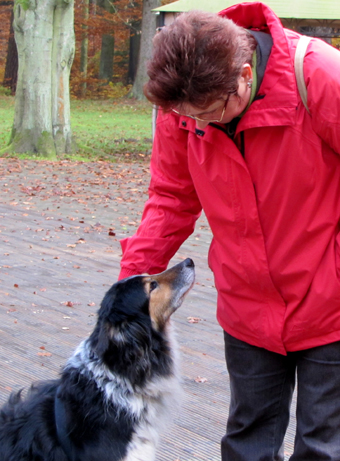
[[262, 385]]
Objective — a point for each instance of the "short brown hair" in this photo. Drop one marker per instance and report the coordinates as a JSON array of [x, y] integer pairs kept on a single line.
[[196, 60]]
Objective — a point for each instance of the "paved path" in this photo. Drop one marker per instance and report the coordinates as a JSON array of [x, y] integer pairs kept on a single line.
[[60, 226]]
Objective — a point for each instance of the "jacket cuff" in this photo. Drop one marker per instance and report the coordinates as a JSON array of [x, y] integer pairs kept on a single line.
[[126, 273]]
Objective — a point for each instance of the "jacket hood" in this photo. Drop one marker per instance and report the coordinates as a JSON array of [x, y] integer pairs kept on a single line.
[[278, 88]]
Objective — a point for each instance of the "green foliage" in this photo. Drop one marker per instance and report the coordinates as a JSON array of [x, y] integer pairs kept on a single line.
[[5, 91], [110, 130], [6, 119], [106, 130]]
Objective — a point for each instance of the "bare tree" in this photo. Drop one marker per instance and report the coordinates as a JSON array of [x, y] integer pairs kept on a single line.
[[44, 35], [147, 34], [84, 47], [11, 68], [107, 48]]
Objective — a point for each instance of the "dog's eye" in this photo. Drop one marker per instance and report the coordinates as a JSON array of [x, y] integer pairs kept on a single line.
[[153, 285]]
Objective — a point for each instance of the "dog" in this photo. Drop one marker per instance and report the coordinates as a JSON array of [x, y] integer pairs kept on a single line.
[[118, 387]]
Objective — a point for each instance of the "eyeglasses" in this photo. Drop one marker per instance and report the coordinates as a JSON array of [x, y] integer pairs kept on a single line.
[[206, 117]]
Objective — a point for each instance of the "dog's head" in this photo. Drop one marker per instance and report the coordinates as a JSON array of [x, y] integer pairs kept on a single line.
[[135, 311]]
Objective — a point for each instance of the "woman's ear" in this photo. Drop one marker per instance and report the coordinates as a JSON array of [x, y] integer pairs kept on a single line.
[[247, 72]]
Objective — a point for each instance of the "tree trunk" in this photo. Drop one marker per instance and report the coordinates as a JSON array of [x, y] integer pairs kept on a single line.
[[11, 69], [106, 58], [135, 33], [84, 48], [145, 52], [44, 36], [107, 48]]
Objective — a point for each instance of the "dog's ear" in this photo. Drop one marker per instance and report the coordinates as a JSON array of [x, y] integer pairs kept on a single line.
[[112, 316], [123, 316], [124, 302], [101, 337], [107, 306]]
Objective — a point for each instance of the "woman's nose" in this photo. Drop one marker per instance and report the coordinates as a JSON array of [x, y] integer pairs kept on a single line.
[[201, 124]]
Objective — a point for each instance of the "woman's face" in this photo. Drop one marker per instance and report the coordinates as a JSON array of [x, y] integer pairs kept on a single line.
[[225, 108]]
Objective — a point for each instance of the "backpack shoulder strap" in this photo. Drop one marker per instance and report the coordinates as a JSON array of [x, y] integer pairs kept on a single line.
[[298, 66]]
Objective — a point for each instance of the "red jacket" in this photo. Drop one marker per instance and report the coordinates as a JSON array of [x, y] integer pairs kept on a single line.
[[274, 211]]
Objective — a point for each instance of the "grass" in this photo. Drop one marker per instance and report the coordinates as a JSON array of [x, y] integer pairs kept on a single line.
[[6, 119], [103, 130]]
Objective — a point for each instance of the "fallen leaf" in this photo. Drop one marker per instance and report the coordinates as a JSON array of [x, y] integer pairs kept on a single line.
[[68, 303], [199, 379], [45, 354], [194, 319]]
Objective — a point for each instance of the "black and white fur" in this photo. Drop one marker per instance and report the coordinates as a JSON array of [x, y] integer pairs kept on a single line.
[[117, 388]]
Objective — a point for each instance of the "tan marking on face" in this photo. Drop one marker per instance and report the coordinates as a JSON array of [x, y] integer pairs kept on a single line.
[[159, 305], [164, 296]]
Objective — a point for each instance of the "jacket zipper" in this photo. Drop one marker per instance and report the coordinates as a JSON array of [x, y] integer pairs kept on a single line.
[[231, 135]]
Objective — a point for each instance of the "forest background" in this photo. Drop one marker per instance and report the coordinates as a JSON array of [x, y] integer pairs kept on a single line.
[[107, 46], [107, 42], [103, 81]]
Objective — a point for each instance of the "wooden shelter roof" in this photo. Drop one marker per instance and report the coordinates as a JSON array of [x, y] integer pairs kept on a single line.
[[301, 9]]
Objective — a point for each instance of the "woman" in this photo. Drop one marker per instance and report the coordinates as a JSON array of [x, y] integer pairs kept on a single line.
[[235, 139]]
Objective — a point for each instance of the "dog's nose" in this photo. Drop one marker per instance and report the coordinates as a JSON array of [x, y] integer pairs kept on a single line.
[[189, 262]]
